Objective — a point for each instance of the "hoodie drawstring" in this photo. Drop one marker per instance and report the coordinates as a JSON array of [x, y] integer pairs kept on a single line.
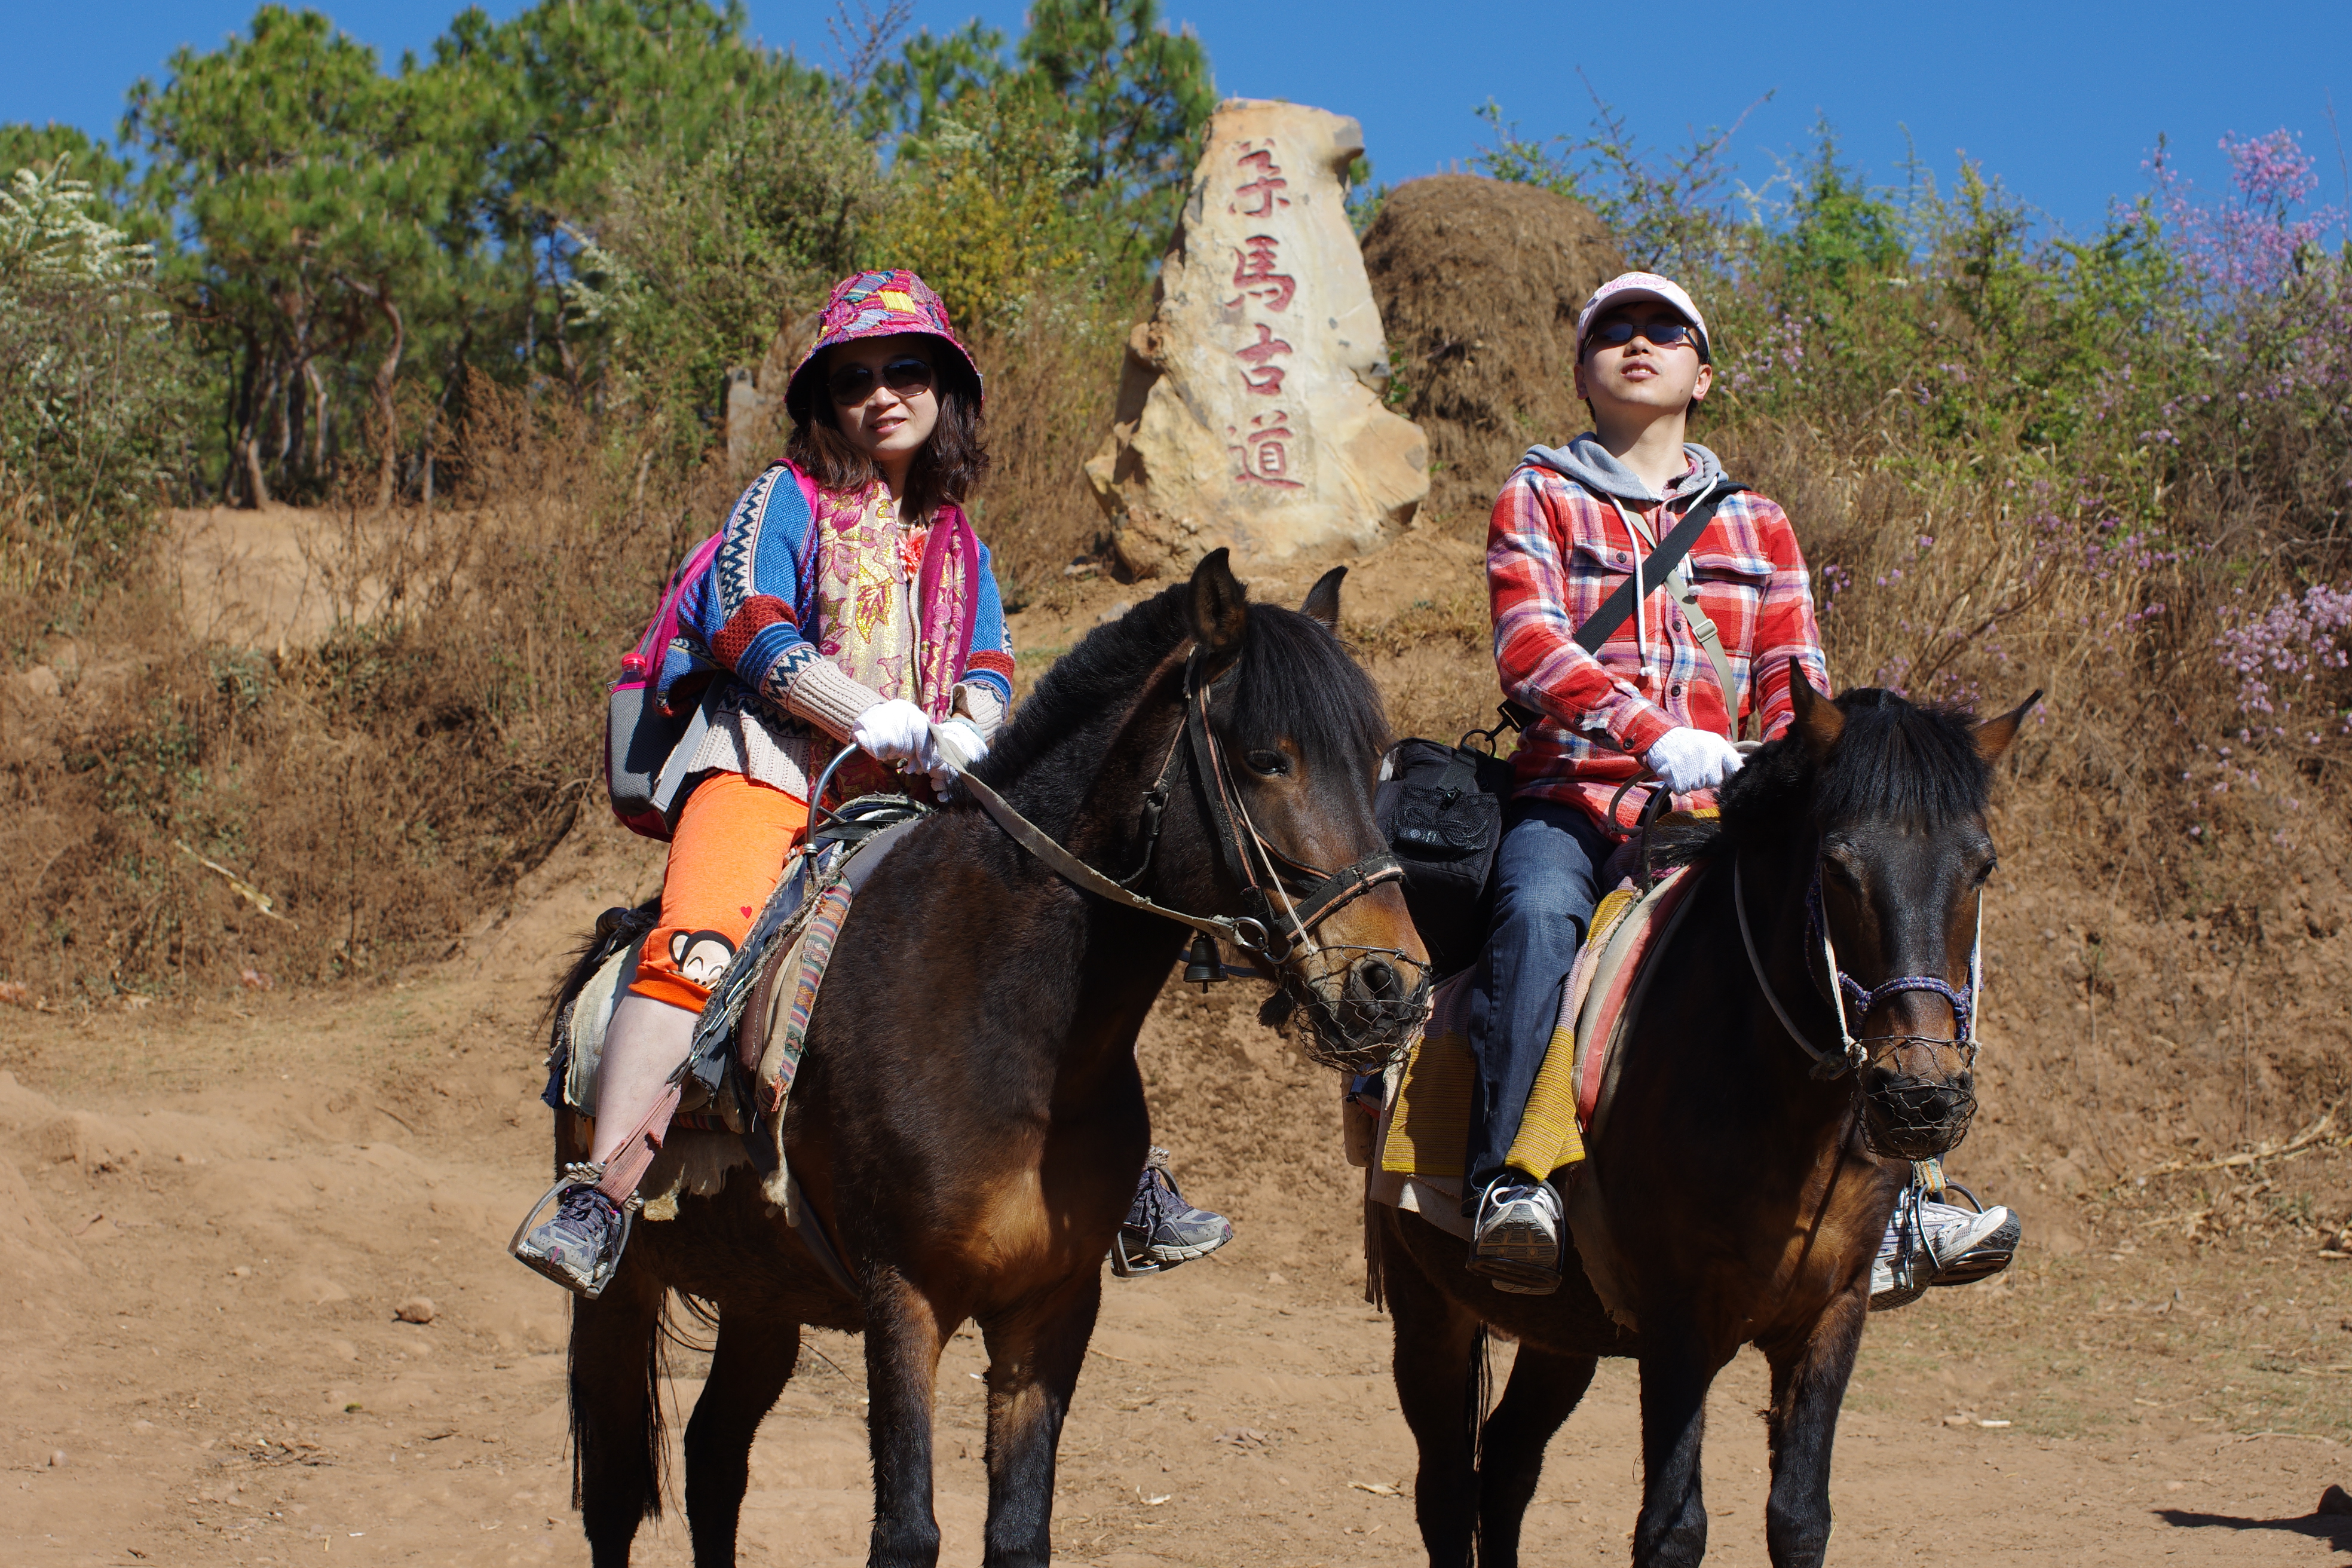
[[1641, 624]]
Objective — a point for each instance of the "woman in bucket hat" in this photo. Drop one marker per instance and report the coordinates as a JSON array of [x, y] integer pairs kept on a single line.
[[849, 603]]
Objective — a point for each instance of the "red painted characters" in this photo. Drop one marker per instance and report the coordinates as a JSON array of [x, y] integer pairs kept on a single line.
[[1265, 452]]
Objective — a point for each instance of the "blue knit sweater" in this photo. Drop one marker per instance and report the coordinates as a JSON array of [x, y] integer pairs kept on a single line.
[[753, 612]]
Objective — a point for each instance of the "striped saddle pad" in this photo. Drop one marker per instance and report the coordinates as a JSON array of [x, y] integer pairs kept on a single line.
[[1419, 1146]]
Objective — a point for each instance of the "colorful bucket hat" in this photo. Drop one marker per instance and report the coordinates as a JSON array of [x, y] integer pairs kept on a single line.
[[872, 305], [1628, 287]]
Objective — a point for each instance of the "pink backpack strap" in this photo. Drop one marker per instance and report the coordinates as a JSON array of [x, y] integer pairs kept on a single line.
[[663, 631]]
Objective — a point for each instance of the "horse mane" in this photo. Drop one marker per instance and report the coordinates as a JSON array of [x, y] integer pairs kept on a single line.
[[1298, 683], [1894, 760], [1096, 678], [1295, 682]]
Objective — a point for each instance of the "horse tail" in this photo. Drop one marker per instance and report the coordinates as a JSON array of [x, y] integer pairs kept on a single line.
[[586, 1440], [1477, 1396], [1376, 1280]]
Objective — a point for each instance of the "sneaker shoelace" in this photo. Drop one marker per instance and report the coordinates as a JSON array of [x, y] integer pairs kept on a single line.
[[1943, 1226], [584, 1207], [1162, 1201]]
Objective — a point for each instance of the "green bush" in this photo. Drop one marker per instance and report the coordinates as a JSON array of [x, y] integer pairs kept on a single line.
[[94, 405]]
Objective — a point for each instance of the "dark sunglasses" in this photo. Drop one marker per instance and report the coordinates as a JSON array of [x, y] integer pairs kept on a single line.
[[1662, 333], [853, 383]]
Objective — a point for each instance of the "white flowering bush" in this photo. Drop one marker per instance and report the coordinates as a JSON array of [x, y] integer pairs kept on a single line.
[[93, 396]]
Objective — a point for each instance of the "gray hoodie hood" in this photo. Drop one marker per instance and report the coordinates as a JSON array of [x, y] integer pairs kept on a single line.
[[1594, 466]]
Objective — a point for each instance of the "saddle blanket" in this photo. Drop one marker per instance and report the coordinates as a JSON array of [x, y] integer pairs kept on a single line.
[[755, 1028], [1420, 1143]]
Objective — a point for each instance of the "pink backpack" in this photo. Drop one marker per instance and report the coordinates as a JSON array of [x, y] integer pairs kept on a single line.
[[646, 745], [643, 738]]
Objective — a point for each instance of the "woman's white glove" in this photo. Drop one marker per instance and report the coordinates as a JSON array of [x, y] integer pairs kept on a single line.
[[1688, 759], [896, 731], [957, 745]]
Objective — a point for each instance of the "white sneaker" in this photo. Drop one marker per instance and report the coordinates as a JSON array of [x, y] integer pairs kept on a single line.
[[1516, 1240], [1969, 1245], [1929, 1243]]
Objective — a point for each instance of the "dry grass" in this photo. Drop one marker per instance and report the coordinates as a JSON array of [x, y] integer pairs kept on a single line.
[[1050, 382], [440, 738]]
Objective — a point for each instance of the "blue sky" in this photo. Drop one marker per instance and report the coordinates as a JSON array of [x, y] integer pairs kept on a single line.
[[2061, 102]]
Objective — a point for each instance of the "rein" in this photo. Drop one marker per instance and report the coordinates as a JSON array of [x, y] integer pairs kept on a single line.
[[1275, 928], [1852, 1052]]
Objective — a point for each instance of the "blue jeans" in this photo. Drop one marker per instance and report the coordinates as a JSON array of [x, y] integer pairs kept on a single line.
[[1546, 882]]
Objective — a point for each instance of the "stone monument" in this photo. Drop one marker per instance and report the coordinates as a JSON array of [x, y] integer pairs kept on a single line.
[[1250, 407]]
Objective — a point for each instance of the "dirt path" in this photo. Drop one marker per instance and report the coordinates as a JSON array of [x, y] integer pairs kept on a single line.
[[208, 1218]]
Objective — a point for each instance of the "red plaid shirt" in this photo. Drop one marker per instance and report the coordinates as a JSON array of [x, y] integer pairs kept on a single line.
[[1555, 551]]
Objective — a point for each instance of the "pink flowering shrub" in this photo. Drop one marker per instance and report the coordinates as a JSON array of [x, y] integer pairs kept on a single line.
[[2255, 241], [2278, 658]]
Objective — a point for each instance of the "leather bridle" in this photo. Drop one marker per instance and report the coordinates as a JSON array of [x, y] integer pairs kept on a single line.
[[1851, 1053], [1275, 928]]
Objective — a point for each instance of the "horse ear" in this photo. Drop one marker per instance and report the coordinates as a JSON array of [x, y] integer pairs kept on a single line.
[[1220, 609], [1994, 735], [1818, 720], [1322, 602]]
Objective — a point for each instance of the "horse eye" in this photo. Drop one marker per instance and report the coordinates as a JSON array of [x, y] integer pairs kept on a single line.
[[1986, 875], [1271, 764]]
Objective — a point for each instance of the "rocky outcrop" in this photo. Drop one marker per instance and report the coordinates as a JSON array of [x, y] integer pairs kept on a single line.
[[1250, 412]]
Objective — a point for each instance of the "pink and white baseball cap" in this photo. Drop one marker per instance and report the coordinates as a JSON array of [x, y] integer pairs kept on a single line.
[[1627, 287]]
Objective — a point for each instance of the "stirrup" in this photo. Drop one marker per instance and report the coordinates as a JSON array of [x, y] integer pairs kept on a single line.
[[580, 1172], [1138, 1264], [1913, 1267], [1987, 1258]]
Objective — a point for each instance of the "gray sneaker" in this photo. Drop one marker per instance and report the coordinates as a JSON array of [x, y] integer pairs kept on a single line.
[[580, 1248], [1515, 1241], [1161, 1229]]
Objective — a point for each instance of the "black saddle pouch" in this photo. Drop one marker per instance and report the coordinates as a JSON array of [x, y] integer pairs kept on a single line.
[[1440, 809]]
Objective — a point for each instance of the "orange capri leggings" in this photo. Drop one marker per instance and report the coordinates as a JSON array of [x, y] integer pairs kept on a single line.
[[728, 855]]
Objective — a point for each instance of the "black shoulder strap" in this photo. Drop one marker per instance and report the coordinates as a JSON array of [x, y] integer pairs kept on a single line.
[[1604, 621], [1602, 624]]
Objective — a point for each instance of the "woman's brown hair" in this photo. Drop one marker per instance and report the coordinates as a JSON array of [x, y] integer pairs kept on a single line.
[[948, 467]]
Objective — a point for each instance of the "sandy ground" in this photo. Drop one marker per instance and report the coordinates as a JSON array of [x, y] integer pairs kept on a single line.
[[212, 1214]]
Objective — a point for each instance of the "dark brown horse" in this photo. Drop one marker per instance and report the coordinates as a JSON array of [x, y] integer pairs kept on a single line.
[[1734, 1179], [969, 1122]]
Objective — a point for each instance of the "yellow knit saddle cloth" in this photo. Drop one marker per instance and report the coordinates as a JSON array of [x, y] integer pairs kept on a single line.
[[1425, 1129]]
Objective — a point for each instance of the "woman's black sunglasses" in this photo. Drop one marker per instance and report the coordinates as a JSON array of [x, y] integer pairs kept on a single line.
[[1663, 333], [853, 383]]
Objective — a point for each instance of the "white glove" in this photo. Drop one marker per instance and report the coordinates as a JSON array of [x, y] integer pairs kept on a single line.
[[895, 731], [957, 745], [1688, 759]]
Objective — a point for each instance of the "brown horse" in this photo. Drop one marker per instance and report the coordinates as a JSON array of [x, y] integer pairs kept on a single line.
[[1735, 1178], [969, 1122]]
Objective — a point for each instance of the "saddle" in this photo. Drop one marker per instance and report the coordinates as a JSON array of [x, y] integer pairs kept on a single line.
[[748, 1043], [1420, 1140]]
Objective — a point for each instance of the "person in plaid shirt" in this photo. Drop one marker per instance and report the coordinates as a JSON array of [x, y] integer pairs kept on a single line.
[[1692, 667]]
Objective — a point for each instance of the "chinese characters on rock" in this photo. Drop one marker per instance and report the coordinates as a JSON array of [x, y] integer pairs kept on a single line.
[[1263, 377], [1255, 276], [1263, 194], [1264, 451], [1263, 448]]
